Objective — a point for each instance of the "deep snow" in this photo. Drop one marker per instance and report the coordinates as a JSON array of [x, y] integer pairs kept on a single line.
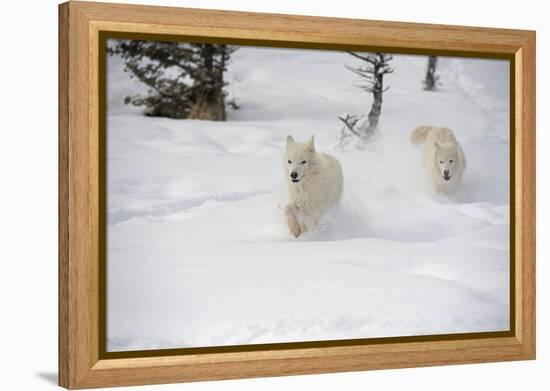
[[198, 253]]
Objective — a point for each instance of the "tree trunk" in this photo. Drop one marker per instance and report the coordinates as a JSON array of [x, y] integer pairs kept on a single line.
[[206, 108], [375, 110], [210, 103], [430, 81], [377, 92]]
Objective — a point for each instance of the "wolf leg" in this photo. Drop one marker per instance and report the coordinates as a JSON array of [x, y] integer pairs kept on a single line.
[[309, 223], [291, 221]]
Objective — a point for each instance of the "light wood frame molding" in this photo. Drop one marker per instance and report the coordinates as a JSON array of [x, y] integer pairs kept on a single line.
[[80, 24]]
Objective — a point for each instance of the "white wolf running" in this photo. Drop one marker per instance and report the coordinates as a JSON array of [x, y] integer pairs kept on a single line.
[[314, 183], [444, 159]]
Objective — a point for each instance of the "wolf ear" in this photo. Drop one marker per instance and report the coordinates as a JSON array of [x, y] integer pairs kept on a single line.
[[289, 141], [437, 145], [311, 144]]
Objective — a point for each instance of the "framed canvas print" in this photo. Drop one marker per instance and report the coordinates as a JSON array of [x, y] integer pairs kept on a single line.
[[248, 195]]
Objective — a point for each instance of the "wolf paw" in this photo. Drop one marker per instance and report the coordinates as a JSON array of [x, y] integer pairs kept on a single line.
[[292, 222], [293, 226], [295, 229]]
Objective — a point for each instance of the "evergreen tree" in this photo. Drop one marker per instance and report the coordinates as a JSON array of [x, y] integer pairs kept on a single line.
[[185, 80]]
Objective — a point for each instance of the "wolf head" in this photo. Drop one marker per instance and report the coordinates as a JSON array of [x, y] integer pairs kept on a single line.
[[298, 159], [446, 160]]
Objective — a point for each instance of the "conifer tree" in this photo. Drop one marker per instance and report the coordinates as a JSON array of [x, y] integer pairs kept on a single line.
[[184, 80]]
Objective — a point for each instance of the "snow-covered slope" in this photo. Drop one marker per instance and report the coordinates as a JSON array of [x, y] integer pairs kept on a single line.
[[198, 253]]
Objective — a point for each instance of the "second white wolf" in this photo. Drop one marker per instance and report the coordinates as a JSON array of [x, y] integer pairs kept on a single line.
[[444, 159], [314, 184]]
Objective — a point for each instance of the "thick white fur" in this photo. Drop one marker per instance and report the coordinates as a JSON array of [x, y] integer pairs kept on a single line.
[[316, 187], [442, 154]]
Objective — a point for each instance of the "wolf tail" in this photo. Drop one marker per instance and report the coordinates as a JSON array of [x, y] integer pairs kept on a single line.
[[419, 135]]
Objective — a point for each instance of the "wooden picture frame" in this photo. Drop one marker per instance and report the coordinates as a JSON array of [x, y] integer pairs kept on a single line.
[[82, 361]]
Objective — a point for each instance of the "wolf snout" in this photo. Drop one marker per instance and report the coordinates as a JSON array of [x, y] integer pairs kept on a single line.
[[294, 175], [446, 175]]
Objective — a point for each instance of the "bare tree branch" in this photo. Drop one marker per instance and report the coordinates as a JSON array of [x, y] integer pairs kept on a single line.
[[368, 58], [350, 121]]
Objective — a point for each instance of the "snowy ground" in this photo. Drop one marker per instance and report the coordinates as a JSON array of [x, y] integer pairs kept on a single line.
[[198, 254]]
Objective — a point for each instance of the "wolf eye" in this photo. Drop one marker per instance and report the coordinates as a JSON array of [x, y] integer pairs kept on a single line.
[[303, 162], [450, 161], [441, 161], [289, 162]]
